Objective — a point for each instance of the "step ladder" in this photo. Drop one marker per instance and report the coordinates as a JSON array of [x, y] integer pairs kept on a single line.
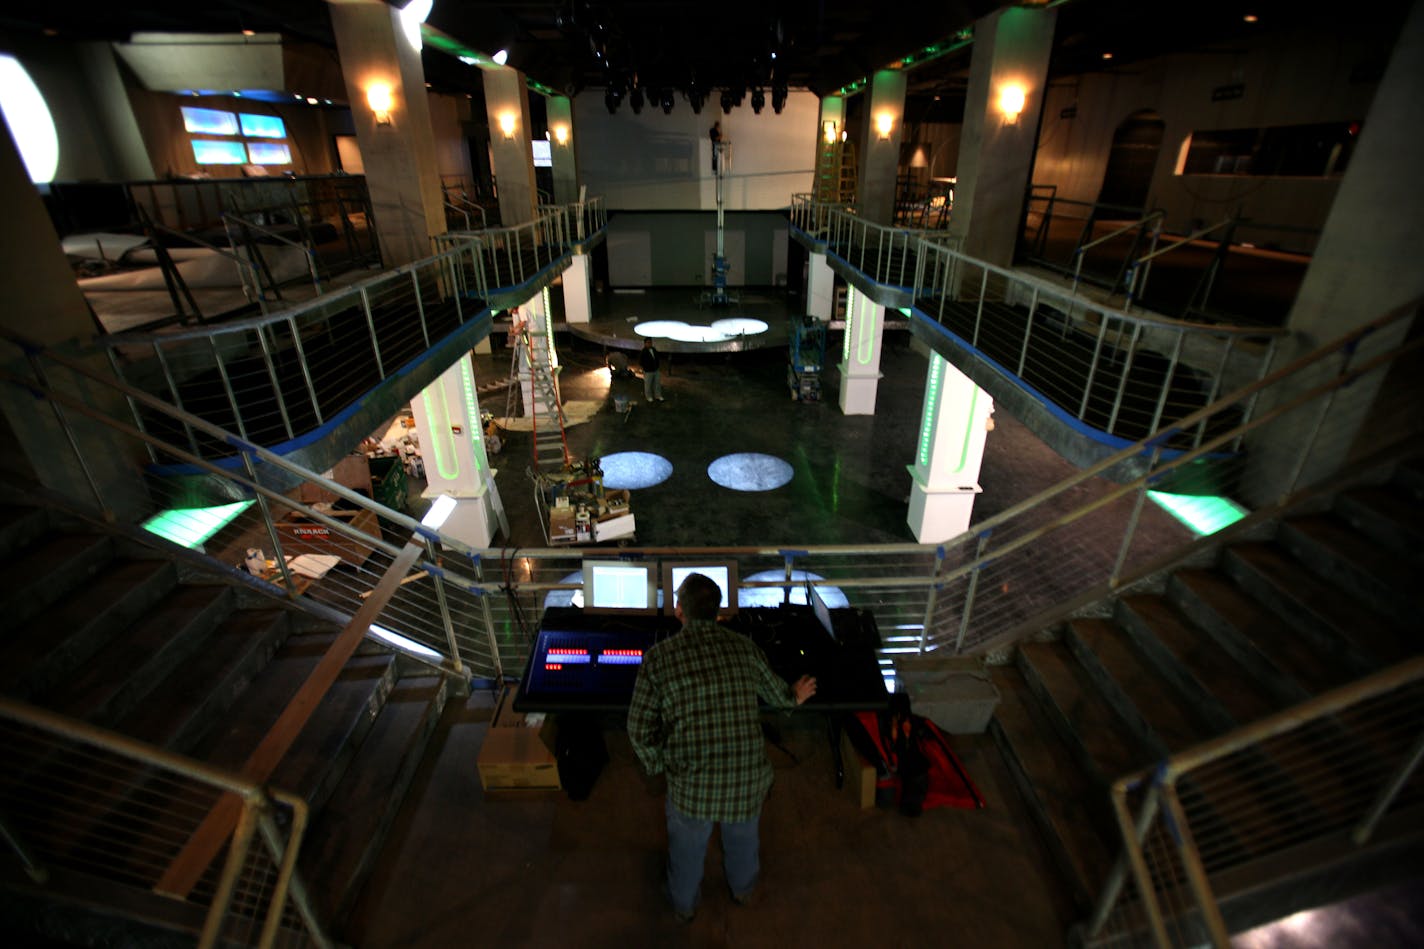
[[835, 177], [546, 415]]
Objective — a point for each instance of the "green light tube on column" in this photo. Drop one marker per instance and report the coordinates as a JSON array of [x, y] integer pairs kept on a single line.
[[849, 324], [865, 339], [472, 410], [442, 439], [931, 406], [968, 430]]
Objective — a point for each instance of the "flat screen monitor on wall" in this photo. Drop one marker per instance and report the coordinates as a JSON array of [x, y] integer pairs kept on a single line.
[[543, 154], [618, 586], [721, 572]]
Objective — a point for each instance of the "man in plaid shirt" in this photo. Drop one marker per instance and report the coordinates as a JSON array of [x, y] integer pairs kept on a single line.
[[694, 716]]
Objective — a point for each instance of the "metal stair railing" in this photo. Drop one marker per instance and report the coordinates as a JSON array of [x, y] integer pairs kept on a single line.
[[1366, 791], [1081, 251], [85, 804], [231, 219], [1140, 269]]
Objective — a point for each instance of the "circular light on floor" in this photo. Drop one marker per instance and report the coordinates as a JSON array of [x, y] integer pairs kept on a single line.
[[687, 333], [656, 328], [775, 596], [632, 470], [739, 326], [749, 471]]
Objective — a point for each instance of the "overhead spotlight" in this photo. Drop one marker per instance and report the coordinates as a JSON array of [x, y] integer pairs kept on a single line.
[[667, 101], [758, 100], [728, 100], [635, 99], [696, 98], [611, 97], [501, 57], [778, 98]]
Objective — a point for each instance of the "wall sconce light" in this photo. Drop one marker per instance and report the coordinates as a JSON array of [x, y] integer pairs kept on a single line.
[[828, 129], [884, 122], [561, 134], [506, 124], [1011, 102], [379, 98]]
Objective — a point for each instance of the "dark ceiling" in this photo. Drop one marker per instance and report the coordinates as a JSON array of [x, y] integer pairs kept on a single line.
[[820, 45]]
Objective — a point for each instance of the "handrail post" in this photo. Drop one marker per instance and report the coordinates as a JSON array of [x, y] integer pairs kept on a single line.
[[930, 599], [371, 325], [1215, 389], [488, 616], [1362, 833], [443, 604], [289, 883], [177, 396], [306, 369], [1122, 383], [236, 857], [276, 383], [227, 386], [1028, 332], [419, 304], [1131, 530], [976, 567], [1196, 873], [1093, 366], [1167, 382], [270, 523]]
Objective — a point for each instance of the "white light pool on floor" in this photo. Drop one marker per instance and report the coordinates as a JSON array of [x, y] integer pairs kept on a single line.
[[632, 470], [774, 596], [658, 328], [739, 326], [749, 471], [687, 333]]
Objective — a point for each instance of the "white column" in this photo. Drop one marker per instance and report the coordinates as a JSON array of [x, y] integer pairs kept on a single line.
[[860, 353], [953, 424], [820, 287], [578, 290], [452, 445]]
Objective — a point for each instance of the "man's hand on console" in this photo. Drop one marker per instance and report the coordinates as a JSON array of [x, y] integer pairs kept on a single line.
[[803, 688]]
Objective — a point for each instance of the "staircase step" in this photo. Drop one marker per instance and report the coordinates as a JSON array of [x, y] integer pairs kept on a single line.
[[192, 697], [1390, 515], [1336, 551], [49, 570], [20, 527], [1074, 812], [1349, 630], [121, 674], [1133, 686], [1221, 691], [39, 653], [319, 757], [1087, 723], [344, 841]]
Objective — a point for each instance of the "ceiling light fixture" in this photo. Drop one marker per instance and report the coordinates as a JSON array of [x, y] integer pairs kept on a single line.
[[412, 15], [501, 57], [758, 100], [611, 98], [635, 99], [728, 100]]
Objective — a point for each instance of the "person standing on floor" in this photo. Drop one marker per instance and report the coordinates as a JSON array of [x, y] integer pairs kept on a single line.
[[694, 717], [651, 364]]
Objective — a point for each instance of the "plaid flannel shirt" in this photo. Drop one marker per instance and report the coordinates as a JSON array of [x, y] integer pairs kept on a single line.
[[694, 715]]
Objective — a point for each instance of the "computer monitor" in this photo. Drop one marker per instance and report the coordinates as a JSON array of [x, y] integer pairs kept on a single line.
[[819, 607], [619, 586], [543, 154], [721, 572]]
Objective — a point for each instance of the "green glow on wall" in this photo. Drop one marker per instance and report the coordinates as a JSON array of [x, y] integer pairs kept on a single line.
[[442, 439], [865, 338], [968, 430], [931, 403], [849, 325], [1204, 514], [190, 526], [472, 411]]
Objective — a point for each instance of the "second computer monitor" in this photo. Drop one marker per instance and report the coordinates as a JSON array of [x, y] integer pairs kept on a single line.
[[617, 586], [721, 572]]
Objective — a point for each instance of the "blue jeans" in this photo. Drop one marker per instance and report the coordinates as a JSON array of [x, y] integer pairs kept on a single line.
[[652, 384], [687, 849]]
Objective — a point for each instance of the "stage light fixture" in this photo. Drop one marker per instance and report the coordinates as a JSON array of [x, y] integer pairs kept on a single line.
[[501, 57], [758, 100], [778, 98], [727, 102], [611, 98], [635, 100], [667, 101]]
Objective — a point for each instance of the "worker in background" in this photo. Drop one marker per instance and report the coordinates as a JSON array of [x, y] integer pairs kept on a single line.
[[694, 717], [651, 364], [715, 134]]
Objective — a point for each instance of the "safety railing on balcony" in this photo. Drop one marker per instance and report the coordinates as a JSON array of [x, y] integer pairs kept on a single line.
[[511, 256], [1120, 374], [1325, 777], [83, 807], [240, 230], [1145, 229], [812, 217], [888, 255], [1140, 268], [272, 378]]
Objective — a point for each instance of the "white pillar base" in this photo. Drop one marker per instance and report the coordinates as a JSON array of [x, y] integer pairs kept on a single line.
[[472, 521], [857, 395], [578, 290], [937, 516]]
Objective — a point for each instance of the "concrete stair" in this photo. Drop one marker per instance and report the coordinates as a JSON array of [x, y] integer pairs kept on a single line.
[[107, 633], [1330, 598]]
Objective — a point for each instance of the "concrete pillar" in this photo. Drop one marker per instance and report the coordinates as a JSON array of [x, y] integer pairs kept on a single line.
[[561, 122], [820, 287], [880, 162], [954, 422], [578, 289], [1366, 265], [1011, 50], [452, 446], [126, 154], [398, 149], [860, 353], [507, 103]]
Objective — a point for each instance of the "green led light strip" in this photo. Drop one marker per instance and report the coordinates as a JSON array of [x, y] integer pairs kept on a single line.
[[865, 338], [849, 324], [472, 410], [931, 404], [442, 439], [968, 430]]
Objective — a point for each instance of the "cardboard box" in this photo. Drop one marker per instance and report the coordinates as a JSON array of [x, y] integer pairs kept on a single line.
[[562, 525], [518, 751], [301, 535], [353, 471], [859, 775]]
